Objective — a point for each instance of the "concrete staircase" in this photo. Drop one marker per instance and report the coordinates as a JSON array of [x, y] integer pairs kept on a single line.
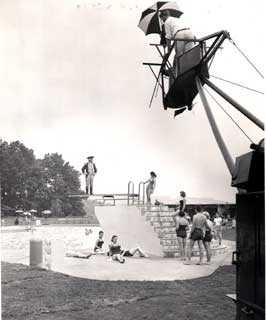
[[161, 219]]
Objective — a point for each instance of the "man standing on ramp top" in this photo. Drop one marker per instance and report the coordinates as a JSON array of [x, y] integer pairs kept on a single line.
[[89, 169]]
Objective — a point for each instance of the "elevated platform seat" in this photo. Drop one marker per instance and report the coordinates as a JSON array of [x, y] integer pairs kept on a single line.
[[183, 90]]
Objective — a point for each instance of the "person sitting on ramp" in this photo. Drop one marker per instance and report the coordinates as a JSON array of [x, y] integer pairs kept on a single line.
[[98, 248], [117, 253]]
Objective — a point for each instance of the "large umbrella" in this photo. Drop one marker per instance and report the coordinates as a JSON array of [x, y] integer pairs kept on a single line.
[[149, 21]]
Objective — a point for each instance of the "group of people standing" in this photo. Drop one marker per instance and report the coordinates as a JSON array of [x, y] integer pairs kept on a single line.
[[201, 230]]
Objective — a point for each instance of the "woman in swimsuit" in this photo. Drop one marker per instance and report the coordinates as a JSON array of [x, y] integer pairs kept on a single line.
[[182, 226], [118, 254], [151, 183], [182, 201]]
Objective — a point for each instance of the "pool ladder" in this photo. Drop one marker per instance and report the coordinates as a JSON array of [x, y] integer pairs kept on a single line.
[[131, 195]]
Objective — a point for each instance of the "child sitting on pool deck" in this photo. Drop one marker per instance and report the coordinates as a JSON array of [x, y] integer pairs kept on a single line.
[[118, 254]]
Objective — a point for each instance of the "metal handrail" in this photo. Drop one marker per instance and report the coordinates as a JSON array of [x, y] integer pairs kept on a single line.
[[130, 183], [143, 192]]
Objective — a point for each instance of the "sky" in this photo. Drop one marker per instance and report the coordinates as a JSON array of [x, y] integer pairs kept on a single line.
[[72, 82]]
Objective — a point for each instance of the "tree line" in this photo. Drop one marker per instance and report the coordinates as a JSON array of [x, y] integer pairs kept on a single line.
[[40, 184]]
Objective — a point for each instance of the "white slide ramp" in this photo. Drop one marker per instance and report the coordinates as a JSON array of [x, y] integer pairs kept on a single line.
[[132, 228]]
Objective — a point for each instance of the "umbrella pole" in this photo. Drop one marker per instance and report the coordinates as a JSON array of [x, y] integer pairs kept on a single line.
[[218, 137]]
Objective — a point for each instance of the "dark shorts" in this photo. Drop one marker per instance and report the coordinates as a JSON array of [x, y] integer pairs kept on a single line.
[[208, 237], [181, 233], [197, 235], [127, 253]]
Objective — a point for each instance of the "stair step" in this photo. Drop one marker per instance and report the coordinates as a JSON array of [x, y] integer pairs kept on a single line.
[[161, 212], [170, 248], [164, 230], [163, 224], [169, 242], [168, 236], [161, 219]]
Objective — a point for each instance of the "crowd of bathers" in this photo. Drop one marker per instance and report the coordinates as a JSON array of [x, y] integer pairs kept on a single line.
[[200, 229]]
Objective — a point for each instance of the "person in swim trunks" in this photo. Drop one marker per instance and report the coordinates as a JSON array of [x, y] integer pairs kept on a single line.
[[199, 225], [208, 237]]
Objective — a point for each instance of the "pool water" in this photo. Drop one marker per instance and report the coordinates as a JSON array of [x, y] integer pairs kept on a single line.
[[15, 240]]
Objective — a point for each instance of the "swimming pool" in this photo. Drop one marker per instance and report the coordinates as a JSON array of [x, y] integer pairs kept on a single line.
[[15, 240]]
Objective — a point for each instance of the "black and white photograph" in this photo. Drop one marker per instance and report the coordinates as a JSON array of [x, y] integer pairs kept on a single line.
[[132, 160]]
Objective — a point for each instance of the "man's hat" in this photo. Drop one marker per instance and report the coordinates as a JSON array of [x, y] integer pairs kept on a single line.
[[90, 157]]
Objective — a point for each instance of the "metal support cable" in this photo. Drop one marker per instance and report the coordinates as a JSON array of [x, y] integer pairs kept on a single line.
[[215, 100], [237, 84], [235, 104], [248, 60], [211, 61]]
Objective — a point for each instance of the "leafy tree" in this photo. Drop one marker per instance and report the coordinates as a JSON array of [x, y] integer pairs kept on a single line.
[[62, 180], [16, 163], [31, 183]]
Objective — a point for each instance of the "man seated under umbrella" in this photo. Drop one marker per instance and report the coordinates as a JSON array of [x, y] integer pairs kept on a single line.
[[174, 29]]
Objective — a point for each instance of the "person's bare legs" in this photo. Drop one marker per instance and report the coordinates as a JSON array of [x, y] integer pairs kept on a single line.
[[207, 246], [118, 257], [180, 244], [200, 244], [85, 254], [182, 247], [148, 194], [220, 236], [138, 250], [191, 245], [184, 242]]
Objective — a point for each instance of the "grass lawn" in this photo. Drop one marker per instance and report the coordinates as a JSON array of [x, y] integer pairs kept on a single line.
[[38, 294]]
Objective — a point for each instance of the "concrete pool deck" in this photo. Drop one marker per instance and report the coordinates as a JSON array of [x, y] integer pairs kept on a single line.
[[135, 269], [139, 269], [100, 267]]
